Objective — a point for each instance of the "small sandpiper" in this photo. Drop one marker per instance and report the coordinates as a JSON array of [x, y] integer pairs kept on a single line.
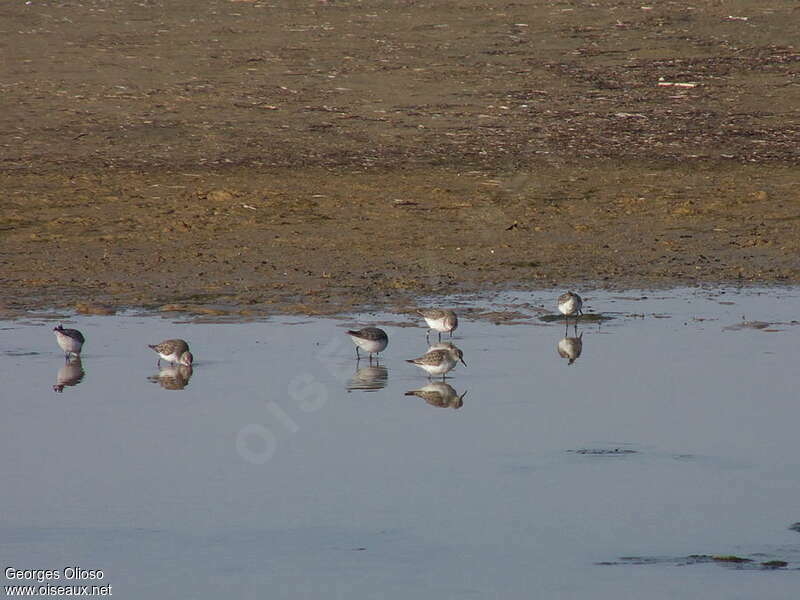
[[173, 351], [69, 340], [570, 347], [440, 394], [443, 321], [439, 362], [569, 304], [372, 339]]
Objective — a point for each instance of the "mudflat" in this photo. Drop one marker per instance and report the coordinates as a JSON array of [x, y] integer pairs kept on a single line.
[[314, 157]]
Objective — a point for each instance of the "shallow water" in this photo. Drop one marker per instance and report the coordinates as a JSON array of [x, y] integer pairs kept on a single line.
[[280, 470]]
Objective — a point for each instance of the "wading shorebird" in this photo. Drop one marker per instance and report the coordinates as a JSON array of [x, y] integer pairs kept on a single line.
[[69, 340], [570, 304], [443, 321], [440, 361], [371, 339], [174, 352]]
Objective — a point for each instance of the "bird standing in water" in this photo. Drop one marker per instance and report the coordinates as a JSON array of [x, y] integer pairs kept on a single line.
[[174, 352], [569, 304], [443, 321], [69, 340], [439, 361], [371, 339]]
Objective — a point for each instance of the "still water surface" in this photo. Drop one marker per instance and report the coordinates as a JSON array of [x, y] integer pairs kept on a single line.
[[278, 469]]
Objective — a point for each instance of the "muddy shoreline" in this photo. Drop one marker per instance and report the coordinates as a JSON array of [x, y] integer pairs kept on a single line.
[[321, 157]]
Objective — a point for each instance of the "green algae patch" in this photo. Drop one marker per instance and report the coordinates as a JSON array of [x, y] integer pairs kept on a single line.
[[775, 564], [730, 558]]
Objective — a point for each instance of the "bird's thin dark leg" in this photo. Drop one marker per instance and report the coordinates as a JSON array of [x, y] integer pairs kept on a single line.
[[440, 336], [358, 356], [428, 336]]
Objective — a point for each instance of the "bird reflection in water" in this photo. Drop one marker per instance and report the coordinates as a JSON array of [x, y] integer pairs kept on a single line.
[[570, 348], [439, 394], [173, 377], [369, 378], [70, 374]]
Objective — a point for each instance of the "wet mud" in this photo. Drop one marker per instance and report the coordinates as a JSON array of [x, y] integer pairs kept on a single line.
[[316, 157]]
